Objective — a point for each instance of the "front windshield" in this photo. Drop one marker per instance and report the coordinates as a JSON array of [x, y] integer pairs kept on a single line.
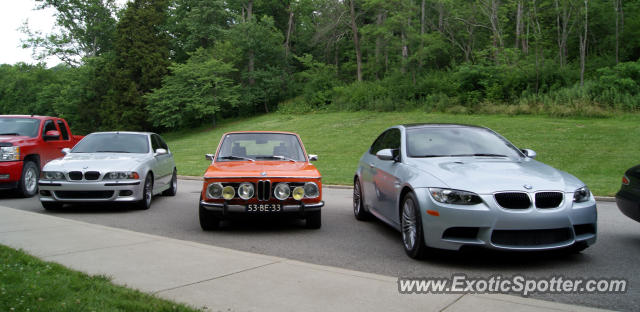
[[260, 146], [458, 142], [113, 143], [19, 126]]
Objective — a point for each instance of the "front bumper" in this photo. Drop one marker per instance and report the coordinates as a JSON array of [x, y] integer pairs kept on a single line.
[[224, 209], [86, 191], [10, 174], [629, 206], [491, 226]]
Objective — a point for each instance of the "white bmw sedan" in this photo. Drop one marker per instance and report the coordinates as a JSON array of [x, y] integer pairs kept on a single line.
[[110, 167]]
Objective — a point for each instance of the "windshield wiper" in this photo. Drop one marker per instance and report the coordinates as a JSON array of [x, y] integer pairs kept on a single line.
[[10, 133], [112, 152], [480, 155], [236, 157], [277, 157], [429, 156]]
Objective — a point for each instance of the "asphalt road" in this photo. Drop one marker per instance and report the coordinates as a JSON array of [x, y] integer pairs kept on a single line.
[[372, 246]]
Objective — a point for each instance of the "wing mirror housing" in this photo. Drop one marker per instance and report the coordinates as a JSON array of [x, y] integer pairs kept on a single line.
[[385, 154], [313, 157], [208, 157], [51, 135], [66, 151], [529, 153], [161, 151]]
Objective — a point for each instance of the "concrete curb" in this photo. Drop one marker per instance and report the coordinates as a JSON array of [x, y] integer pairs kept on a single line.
[[347, 187]]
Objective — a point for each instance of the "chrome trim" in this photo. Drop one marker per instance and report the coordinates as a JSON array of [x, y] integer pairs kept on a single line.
[[241, 208], [263, 177]]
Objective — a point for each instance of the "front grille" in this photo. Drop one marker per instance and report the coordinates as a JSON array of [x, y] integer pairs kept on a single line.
[[75, 175], [84, 194], [530, 237], [91, 175], [264, 190], [549, 199], [513, 200]]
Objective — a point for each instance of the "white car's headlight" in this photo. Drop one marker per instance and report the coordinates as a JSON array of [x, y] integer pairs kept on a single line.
[[214, 190], [10, 153], [245, 190], [455, 197], [121, 175], [53, 175], [281, 191], [311, 190], [581, 195]]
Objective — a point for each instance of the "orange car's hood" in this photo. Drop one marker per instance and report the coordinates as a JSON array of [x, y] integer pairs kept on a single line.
[[229, 169]]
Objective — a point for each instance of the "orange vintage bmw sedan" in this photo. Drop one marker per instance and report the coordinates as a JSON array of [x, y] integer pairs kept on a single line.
[[260, 173]]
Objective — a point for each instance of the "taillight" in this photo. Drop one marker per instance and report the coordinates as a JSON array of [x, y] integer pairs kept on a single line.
[[625, 180]]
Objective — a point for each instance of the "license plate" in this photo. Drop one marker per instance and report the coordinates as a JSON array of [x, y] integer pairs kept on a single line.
[[264, 208]]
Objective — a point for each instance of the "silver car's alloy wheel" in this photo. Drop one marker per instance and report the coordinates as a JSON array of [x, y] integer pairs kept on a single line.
[[148, 191], [409, 225], [30, 180], [356, 198]]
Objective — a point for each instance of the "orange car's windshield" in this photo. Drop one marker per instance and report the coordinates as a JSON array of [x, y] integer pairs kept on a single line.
[[260, 146]]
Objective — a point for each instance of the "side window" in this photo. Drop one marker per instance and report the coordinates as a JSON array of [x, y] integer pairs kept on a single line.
[[392, 140], [378, 144], [48, 126], [63, 130], [154, 143], [162, 143]]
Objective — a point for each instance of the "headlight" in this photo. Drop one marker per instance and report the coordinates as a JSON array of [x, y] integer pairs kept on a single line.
[[298, 193], [214, 190], [245, 191], [228, 192], [282, 191], [53, 175], [311, 190], [454, 197], [10, 153], [121, 175], [581, 195]]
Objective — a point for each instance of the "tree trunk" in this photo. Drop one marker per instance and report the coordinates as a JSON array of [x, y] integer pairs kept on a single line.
[[423, 16], [617, 7], [356, 42], [287, 43], [251, 65], [583, 42], [563, 17], [379, 20], [518, 23]]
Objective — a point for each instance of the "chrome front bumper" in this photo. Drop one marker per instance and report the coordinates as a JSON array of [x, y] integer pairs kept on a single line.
[[224, 208]]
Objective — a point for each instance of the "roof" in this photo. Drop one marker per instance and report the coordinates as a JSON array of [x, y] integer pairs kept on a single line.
[[439, 125], [126, 132], [266, 132], [29, 116]]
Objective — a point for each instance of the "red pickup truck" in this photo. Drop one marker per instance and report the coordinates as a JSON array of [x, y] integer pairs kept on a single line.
[[27, 143]]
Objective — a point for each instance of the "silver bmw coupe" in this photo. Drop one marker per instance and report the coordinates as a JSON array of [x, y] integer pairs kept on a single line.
[[448, 186], [110, 167]]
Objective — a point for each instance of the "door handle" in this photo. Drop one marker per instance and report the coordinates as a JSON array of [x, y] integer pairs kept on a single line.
[[371, 165]]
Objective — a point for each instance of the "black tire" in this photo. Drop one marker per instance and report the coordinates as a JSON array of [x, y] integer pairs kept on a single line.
[[147, 194], [51, 205], [171, 191], [208, 221], [358, 208], [28, 184], [314, 220], [414, 247]]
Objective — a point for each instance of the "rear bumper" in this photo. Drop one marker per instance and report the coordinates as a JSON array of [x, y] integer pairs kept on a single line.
[[10, 174], [223, 209]]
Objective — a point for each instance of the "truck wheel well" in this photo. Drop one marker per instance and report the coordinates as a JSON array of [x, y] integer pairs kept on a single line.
[[33, 157]]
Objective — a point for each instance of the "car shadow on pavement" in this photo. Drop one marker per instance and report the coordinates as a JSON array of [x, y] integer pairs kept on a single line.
[[10, 194], [95, 208], [262, 224]]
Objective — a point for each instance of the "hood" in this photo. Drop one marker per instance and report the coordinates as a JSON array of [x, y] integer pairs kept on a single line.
[[257, 168], [96, 162], [14, 138], [487, 175]]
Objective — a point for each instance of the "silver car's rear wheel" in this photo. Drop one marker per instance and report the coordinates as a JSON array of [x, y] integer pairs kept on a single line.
[[411, 226]]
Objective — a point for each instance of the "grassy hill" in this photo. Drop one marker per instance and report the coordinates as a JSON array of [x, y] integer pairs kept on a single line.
[[597, 151]]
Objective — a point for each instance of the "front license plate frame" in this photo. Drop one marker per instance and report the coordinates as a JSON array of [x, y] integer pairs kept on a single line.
[[263, 208]]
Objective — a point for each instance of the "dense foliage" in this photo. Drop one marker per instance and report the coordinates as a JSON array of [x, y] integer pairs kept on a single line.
[[157, 64]]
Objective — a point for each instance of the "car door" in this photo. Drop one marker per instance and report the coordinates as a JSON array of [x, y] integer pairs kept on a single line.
[[163, 162], [385, 180], [369, 171], [51, 148]]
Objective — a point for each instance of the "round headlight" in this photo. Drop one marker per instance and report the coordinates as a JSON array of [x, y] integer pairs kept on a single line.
[[282, 191], [245, 191], [311, 190], [214, 190], [228, 192], [298, 193]]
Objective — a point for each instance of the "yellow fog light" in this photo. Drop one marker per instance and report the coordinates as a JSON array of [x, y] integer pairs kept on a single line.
[[298, 193], [228, 192]]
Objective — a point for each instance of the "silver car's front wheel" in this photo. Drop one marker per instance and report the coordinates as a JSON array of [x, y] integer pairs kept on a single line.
[[147, 193], [358, 209], [411, 226]]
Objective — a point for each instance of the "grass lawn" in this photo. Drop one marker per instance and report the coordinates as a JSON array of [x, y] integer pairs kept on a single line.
[[30, 284], [597, 151]]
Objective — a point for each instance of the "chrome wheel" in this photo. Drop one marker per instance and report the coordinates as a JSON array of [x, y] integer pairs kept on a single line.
[[31, 180], [148, 191], [409, 225], [356, 198]]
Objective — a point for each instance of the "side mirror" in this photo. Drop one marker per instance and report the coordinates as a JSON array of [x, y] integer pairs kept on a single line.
[[529, 153], [66, 151], [385, 154], [313, 157], [208, 156], [161, 151], [51, 135]]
